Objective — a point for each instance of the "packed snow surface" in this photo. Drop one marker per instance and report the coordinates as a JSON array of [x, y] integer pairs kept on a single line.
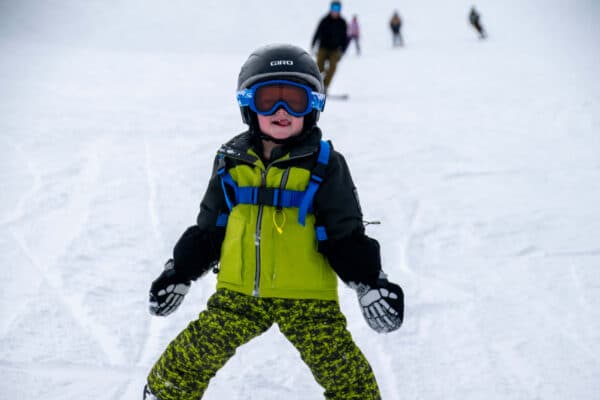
[[480, 158]]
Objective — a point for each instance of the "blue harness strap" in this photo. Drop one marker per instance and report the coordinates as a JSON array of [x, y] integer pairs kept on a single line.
[[281, 198], [269, 196], [222, 219], [226, 180], [316, 177]]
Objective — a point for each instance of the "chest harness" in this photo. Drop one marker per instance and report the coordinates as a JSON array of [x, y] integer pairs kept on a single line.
[[276, 197]]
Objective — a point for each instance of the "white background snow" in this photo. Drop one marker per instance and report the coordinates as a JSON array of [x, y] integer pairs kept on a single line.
[[480, 158]]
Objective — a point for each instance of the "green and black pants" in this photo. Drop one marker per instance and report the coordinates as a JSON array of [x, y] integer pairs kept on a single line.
[[317, 329]]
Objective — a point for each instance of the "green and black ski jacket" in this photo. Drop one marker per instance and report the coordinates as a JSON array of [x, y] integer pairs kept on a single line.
[[263, 250]]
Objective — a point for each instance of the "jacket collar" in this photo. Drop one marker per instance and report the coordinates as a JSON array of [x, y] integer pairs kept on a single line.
[[238, 146]]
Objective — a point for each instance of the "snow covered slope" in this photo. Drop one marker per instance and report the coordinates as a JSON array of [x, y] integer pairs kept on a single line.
[[481, 159]]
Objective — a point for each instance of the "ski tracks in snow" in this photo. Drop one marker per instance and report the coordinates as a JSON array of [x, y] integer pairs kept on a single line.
[[33, 171], [398, 369], [44, 254], [406, 261], [14, 217], [152, 195], [151, 341]]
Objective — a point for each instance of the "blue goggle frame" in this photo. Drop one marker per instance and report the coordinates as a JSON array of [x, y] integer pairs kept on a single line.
[[316, 100]]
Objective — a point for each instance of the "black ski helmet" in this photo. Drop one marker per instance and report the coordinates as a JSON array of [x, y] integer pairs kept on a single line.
[[280, 61]]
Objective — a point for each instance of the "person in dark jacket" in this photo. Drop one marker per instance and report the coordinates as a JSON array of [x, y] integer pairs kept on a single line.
[[282, 220], [396, 27], [332, 40], [475, 21]]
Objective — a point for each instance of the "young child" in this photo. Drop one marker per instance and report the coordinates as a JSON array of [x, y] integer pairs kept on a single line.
[[281, 218]]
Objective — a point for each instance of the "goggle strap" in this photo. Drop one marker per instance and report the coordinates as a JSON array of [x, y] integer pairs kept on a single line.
[[245, 97], [317, 100]]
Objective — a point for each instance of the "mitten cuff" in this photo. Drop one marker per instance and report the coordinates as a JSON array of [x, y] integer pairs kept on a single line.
[[197, 251], [355, 258]]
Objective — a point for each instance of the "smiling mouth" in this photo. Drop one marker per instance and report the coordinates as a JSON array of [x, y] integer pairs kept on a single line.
[[282, 122]]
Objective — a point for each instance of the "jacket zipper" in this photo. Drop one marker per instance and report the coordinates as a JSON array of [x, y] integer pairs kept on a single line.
[[263, 183]]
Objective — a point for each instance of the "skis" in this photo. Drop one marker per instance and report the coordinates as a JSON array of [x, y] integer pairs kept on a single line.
[[341, 96]]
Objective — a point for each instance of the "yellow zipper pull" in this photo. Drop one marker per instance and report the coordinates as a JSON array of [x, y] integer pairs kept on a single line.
[[279, 227]]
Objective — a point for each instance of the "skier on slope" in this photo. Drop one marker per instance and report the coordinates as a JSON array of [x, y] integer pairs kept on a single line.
[[354, 34], [331, 36], [281, 218], [475, 21], [396, 27]]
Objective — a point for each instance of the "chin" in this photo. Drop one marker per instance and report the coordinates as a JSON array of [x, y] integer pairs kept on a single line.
[[283, 135]]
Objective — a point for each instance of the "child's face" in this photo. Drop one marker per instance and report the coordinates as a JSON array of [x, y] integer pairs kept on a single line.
[[280, 125]]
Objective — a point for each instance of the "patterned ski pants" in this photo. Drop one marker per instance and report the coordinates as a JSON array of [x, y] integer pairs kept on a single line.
[[316, 328]]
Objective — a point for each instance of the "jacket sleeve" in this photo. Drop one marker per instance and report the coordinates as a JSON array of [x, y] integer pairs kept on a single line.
[[353, 255], [344, 37], [317, 34], [199, 248]]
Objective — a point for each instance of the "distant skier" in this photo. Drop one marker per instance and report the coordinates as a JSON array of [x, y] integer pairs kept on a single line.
[[354, 33], [396, 27], [331, 36], [280, 221], [475, 21]]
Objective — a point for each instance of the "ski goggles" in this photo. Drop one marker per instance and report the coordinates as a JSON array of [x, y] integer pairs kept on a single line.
[[265, 98]]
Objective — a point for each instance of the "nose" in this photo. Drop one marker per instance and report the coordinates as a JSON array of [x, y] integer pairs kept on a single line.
[[281, 111]]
